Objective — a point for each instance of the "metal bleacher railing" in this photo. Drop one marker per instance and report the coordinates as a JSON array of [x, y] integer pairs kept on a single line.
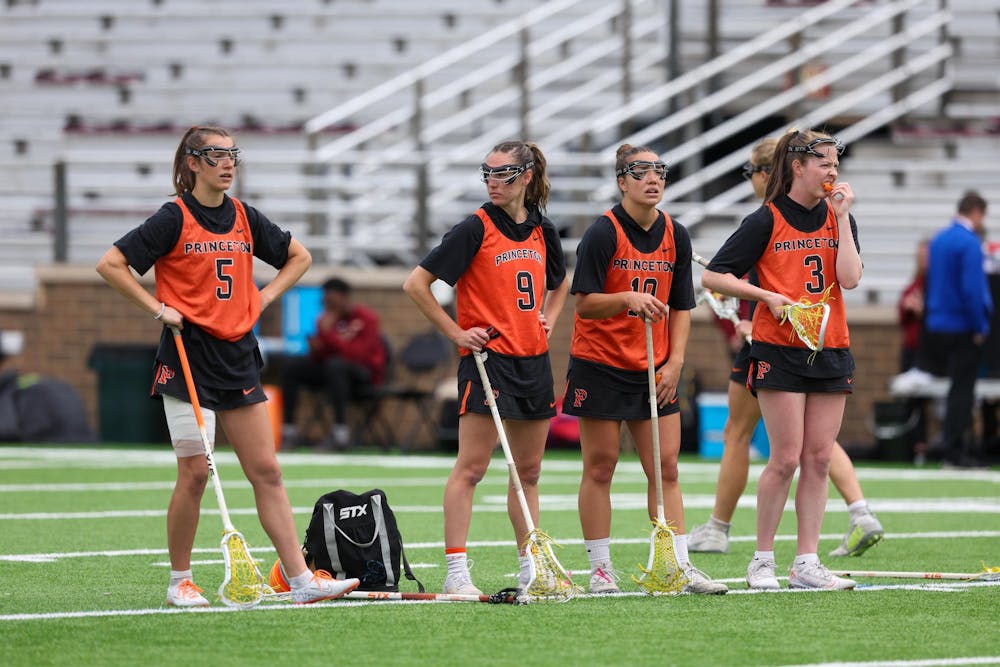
[[579, 77]]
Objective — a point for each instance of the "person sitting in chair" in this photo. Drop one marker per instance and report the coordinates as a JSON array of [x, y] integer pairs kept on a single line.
[[346, 359]]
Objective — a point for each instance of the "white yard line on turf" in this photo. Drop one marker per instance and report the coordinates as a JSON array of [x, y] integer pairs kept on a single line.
[[413, 546], [16, 456], [920, 662], [348, 604], [568, 503]]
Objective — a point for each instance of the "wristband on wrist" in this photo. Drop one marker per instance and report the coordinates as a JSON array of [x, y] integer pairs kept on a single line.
[[163, 309]]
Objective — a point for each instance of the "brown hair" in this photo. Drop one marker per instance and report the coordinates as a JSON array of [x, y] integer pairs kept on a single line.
[[194, 138], [624, 152], [780, 181], [537, 193], [971, 202]]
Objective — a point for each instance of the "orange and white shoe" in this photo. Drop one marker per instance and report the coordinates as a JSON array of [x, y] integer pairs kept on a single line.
[[185, 594], [323, 586]]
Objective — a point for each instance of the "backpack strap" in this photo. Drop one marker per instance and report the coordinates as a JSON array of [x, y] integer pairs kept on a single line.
[[407, 572]]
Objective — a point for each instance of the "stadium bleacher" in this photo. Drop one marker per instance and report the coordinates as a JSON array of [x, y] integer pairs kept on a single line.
[[109, 86]]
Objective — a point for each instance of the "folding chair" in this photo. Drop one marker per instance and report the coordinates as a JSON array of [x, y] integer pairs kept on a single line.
[[418, 368]]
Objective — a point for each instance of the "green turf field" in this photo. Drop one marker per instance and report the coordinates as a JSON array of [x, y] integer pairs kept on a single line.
[[83, 571]]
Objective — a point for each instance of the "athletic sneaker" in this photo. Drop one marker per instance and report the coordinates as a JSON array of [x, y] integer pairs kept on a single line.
[[815, 575], [708, 539], [323, 586], [460, 584], [760, 575], [699, 583], [865, 531], [185, 594], [604, 579]]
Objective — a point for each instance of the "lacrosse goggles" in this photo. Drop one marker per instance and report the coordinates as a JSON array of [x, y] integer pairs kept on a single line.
[[810, 148], [749, 169], [640, 168], [212, 155], [506, 174]]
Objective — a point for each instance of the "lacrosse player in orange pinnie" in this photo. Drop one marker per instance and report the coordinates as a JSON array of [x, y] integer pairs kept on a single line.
[[803, 244]]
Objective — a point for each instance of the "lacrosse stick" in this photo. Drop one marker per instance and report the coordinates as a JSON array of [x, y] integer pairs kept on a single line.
[[505, 596], [986, 574], [549, 580], [244, 584], [725, 308], [809, 321], [662, 574]]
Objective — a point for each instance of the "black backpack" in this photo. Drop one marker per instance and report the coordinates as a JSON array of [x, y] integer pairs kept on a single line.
[[352, 535]]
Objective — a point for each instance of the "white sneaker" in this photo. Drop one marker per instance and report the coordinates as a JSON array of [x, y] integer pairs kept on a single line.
[[760, 575], [865, 531], [815, 575], [708, 539], [604, 579], [185, 594], [460, 584], [323, 586], [699, 583]]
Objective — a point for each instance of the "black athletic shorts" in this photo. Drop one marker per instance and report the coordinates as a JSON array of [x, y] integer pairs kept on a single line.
[[472, 399], [600, 403], [765, 375], [169, 381], [741, 365]]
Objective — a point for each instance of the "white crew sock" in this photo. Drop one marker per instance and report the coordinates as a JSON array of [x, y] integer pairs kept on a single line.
[[598, 551]]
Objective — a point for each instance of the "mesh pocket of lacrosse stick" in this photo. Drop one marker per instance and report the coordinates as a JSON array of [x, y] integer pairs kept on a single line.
[[244, 583], [662, 575], [809, 321], [549, 580]]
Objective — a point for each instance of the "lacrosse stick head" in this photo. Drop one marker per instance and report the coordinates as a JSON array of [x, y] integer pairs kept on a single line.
[[808, 322], [549, 580], [988, 573], [244, 584], [724, 307], [663, 575]]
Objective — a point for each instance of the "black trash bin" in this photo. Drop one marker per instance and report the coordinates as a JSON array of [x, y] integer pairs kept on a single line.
[[126, 413], [896, 428]]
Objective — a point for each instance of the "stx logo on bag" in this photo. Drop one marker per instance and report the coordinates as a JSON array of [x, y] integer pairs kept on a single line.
[[354, 511], [355, 535]]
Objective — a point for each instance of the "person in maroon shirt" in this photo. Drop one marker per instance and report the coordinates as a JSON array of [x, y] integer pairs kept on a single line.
[[347, 357], [911, 311]]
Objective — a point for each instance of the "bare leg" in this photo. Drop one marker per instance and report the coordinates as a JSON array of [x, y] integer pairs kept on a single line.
[[843, 475], [784, 414], [527, 444], [670, 443], [477, 436], [823, 415], [249, 430], [744, 413], [185, 509], [599, 445]]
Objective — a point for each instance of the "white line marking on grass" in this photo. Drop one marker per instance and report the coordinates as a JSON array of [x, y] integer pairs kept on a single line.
[[567, 503], [920, 662], [162, 456], [347, 604], [480, 544]]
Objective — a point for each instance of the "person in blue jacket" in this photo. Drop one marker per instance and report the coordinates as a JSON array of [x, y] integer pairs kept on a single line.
[[957, 320]]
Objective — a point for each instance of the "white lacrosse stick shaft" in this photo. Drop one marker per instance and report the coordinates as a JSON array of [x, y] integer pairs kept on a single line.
[[515, 479], [654, 422]]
